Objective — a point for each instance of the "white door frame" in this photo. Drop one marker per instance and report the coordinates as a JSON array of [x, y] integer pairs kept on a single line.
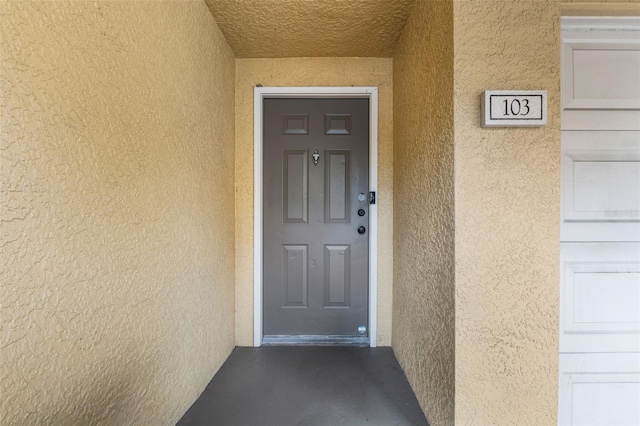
[[261, 93]]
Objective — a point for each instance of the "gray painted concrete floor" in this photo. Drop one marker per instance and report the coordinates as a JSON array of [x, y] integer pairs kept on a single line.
[[282, 386]]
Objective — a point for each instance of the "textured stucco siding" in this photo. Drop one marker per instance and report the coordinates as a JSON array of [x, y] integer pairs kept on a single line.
[[310, 72], [317, 28], [507, 205], [117, 217], [423, 294]]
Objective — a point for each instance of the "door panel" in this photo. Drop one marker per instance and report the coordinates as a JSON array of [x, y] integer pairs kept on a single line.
[[337, 183], [316, 163], [600, 84], [599, 389], [295, 275], [296, 186], [600, 297], [600, 186], [337, 275]]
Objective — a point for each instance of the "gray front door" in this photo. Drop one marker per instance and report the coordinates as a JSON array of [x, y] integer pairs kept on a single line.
[[316, 210]]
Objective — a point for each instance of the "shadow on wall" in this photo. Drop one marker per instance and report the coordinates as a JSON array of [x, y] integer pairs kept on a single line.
[[110, 390]]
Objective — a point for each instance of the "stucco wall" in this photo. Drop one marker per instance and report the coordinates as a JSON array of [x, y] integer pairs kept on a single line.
[[507, 208], [117, 238], [327, 28], [310, 72], [423, 310]]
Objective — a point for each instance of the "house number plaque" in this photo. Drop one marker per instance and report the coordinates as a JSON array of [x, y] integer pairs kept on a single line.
[[514, 108]]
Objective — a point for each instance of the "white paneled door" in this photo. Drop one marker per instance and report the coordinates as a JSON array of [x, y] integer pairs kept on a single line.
[[599, 381]]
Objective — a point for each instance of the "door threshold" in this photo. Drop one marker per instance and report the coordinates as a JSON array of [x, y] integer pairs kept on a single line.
[[314, 340]]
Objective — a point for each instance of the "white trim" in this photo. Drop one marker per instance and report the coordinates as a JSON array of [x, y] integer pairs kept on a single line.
[[600, 23], [257, 218], [314, 340], [260, 93]]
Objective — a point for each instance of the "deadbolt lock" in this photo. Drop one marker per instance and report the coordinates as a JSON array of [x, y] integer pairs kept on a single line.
[[361, 212]]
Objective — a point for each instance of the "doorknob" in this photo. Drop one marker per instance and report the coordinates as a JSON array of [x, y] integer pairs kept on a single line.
[[362, 230]]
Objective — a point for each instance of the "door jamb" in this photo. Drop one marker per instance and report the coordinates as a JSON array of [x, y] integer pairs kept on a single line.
[[261, 93]]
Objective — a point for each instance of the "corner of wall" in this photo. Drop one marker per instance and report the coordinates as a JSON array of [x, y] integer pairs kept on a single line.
[[423, 294]]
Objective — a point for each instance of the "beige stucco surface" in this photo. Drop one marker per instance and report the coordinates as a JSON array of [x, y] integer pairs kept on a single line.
[[423, 309], [310, 72], [507, 208], [117, 217], [303, 28]]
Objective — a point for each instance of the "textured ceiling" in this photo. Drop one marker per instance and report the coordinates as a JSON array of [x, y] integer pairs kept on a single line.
[[311, 28]]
